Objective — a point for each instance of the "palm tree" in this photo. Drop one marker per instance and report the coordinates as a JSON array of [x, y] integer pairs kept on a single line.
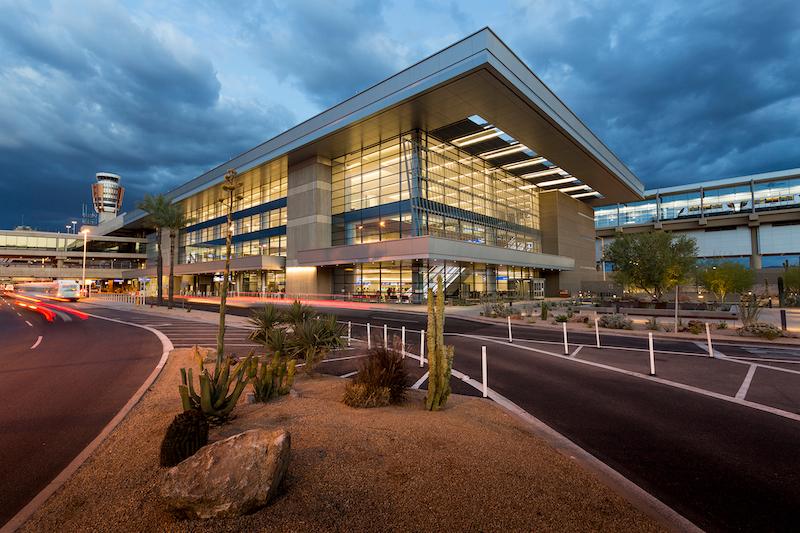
[[176, 220], [157, 206]]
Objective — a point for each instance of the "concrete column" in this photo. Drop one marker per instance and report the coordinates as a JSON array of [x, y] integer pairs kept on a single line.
[[755, 255], [308, 224]]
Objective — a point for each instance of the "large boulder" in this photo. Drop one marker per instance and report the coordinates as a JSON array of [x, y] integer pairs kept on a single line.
[[231, 477]]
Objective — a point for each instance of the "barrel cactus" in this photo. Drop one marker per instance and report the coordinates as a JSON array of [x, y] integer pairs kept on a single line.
[[187, 433]]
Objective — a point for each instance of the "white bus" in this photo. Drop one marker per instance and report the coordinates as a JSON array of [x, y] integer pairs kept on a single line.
[[60, 288]]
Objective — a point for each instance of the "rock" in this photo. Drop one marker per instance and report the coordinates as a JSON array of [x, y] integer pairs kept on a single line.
[[230, 477]]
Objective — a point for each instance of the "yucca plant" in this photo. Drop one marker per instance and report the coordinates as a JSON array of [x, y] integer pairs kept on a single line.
[[263, 321], [216, 398]]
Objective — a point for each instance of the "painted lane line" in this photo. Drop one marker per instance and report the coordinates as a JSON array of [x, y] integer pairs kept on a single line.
[[420, 381], [37, 343], [689, 388], [740, 395], [704, 346], [575, 352], [337, 359], [349, 374], [29, 323]]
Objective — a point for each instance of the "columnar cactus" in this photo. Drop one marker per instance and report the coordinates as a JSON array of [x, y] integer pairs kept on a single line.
[[440, 357], [272, 378]]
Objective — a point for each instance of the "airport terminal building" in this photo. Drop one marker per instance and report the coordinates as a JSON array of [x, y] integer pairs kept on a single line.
[[464, 165]]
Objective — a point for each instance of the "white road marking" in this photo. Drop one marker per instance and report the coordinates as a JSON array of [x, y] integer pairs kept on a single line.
[[704, 346], [575, 352], [420, 381], [746, 383], [690, 388], [349, 374], [37, 343], [28, 322], [338, 359]]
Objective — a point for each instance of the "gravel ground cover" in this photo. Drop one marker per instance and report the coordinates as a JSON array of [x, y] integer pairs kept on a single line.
[[471, 467]]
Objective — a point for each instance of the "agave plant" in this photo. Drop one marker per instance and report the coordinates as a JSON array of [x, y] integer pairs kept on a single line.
[[298, 313], [313, 339], [264, 321]]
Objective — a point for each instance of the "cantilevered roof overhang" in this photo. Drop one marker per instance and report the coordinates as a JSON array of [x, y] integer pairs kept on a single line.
[[478, 75]]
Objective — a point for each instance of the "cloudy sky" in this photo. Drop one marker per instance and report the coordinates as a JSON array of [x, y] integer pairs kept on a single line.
[[681, 91]]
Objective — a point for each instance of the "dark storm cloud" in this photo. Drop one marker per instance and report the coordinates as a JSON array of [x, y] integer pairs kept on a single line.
[[331, 51], [689, 91], [89, 89]]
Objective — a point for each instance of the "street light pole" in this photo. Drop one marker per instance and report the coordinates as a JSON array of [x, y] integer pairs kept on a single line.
[[83, 282]]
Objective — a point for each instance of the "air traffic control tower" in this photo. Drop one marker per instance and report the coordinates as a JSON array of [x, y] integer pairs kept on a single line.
[[107, 195]]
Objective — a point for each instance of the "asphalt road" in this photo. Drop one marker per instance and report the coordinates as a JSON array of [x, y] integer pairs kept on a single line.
[[58, 395], [725, 467]]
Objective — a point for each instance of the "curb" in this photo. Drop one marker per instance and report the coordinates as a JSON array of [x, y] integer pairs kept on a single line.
[[26, 512]]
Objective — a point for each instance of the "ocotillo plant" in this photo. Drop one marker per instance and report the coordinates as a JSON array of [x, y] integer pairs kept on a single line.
[[440, 357], [216, 400]]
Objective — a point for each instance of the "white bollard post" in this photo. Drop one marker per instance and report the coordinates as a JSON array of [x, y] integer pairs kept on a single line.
[[385, 336], [403, 341], [349, 332], [510, 339], [597, 331], [421, 347], [566, 346], [652, 355], [485, 377], [369, 338], [708, 338]]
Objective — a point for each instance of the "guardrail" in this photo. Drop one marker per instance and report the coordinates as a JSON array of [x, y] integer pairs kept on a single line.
[[121, 297]]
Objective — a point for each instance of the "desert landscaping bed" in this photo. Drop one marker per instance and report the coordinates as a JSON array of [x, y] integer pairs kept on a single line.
[[469, 467]]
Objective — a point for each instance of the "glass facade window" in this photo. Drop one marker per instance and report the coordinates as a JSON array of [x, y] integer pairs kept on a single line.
[[259, 233], [727, 201], [677, 206], [637, 212], [776, 194], [409, 281], [415, 185], [606, 217]]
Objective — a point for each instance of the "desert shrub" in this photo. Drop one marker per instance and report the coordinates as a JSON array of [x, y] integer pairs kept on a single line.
[[362, 396], [652, 324], [722, 325], [561, 318], [749, 309], [187, 433], [383, 367], [694, 327], [761, 329], [615, 321]]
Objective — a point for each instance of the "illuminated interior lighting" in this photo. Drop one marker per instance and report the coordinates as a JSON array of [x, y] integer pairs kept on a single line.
[[585, 194], [477, 137], [543, 173], [576, 188], [559, 181], [503, 151], [529, 163], [526, 187]]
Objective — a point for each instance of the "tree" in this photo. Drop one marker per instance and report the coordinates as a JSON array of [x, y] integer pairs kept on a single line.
[[158, 208], [726, 277], [791, 279], [175, 220], [652, 262]]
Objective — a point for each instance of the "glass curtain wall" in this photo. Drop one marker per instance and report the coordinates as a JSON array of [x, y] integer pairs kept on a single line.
[[414, 185], [262, 232]]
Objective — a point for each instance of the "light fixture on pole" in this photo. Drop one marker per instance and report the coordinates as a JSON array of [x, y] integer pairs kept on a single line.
[[74, 226], [85, 237]]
